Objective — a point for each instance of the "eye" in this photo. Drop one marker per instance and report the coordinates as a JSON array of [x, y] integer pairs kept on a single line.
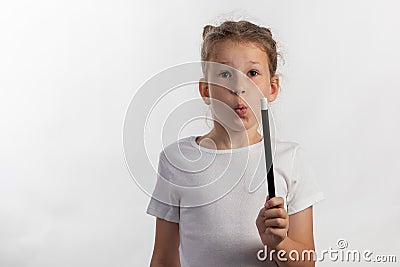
[[254, 73], [225, 74]]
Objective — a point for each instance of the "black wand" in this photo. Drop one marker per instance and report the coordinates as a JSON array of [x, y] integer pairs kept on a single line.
[[267, 148]]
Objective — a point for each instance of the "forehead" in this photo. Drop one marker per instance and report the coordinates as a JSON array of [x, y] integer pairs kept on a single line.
[[237, 53]]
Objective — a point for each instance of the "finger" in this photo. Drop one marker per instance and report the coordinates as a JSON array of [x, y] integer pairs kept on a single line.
[[261, 227], [275, 231], [276, 222], [260, 221], [262, 211], [275, 202], [275, 213], [261, 216]]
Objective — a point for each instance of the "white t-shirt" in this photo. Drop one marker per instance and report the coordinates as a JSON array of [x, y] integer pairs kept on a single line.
[[215, 196]]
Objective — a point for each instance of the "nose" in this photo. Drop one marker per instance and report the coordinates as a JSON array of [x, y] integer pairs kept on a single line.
[[238, 92], [239, 84]]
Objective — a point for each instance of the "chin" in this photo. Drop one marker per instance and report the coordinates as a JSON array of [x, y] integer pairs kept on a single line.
[[241, 125]]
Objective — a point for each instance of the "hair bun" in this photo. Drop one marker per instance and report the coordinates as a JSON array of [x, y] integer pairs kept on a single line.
[[207, 29]]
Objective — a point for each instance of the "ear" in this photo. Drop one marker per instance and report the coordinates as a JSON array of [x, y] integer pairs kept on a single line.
[[274, 85], [204, 91]]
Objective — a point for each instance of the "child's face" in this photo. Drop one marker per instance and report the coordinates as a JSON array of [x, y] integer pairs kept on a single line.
[[241, 78]]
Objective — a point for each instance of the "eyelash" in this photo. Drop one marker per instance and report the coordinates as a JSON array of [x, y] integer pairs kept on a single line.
[[255, 72], [224, 72], [230, 75]]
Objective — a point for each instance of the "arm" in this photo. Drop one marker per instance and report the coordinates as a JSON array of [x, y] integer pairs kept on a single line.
[[166, 245], [273, 225], [299, 238]]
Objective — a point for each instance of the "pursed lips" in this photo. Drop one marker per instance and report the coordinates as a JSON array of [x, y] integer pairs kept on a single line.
[[241, 109]]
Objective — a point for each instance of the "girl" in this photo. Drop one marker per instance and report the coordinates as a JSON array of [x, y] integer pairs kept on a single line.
[[233, 227]]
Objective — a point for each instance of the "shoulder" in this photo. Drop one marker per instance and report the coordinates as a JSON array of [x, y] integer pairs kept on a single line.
[[288, 154], [176, 150], [293, 162], [285, 145], [179, 154], [285, 152]]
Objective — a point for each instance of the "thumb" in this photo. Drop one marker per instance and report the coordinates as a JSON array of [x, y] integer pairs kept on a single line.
[[267, 198], [260, 221]]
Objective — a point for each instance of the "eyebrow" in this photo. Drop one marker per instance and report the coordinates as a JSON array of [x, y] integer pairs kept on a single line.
[[253, 62]]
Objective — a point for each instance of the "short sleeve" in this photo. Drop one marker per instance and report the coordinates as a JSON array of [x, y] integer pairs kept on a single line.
[[303, 189], [164, 202]]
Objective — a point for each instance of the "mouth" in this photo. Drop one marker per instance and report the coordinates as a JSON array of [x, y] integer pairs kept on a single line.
[[241, 110]]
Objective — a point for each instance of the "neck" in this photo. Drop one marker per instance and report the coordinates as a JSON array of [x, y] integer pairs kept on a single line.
[[233, 139]]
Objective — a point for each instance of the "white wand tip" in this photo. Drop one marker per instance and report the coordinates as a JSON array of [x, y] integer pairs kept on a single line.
[[264, 103]]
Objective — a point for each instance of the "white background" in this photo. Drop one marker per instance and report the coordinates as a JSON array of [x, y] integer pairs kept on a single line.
[[68, 70]]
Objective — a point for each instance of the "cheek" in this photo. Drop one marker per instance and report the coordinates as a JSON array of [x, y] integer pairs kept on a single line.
[[253, 97], [220, 93], [263, 87], [221, 102]]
